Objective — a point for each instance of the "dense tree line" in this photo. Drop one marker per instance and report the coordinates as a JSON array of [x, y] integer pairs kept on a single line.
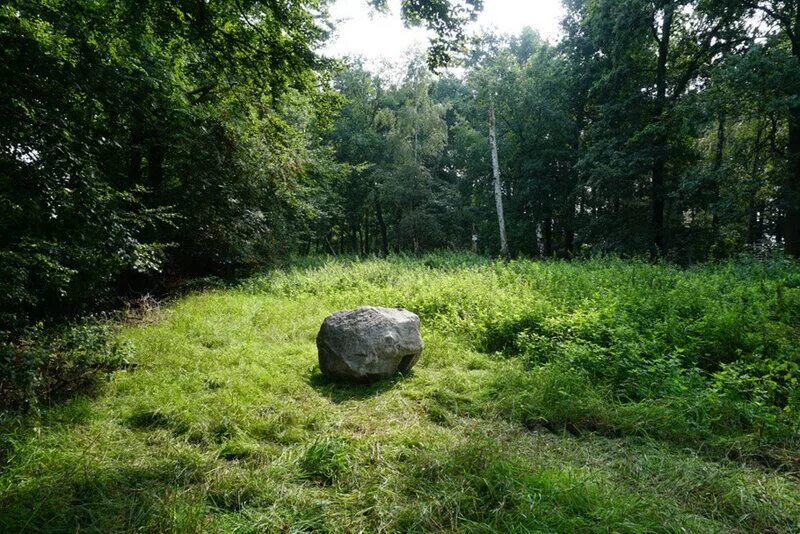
[[665, 128], [141, 138]]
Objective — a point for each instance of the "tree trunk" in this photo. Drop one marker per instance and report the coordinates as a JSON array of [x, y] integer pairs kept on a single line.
[[155, 168], [569, 234], [718, 158], [573, 198], [365, 249], [791, 224], [659, 170], [548, 237], [657, 205], [720, 151], [752, 225], [539, 239], [382, 226], [136, 155], [498, 185]]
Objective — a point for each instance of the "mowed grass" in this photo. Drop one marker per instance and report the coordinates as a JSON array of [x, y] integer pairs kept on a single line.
[[601, 396]]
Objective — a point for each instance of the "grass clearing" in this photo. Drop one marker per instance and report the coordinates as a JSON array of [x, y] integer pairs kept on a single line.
[[600, 396]]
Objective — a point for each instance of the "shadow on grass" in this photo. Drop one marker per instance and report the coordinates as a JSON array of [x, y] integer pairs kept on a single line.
[[338, 391], [101, 498], [19, 426]]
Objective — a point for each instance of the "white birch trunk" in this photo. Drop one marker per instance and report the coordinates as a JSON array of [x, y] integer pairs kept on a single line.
[[498, 184]]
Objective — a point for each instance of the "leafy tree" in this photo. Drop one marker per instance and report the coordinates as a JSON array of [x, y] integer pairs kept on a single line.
[[784, 16], [394, 140], [446, 20], [140, 134]]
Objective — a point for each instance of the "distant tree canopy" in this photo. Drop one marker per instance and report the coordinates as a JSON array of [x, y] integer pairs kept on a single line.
[[142, 139], [446, 20], [661, 128]]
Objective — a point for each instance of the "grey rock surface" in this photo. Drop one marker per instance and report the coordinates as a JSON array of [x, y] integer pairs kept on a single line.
[[369, 343]]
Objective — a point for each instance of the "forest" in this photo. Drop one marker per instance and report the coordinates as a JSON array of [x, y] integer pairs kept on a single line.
[[599, 233], [143, 141]]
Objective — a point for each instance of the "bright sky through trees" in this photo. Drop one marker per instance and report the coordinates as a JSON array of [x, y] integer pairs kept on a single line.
[[383, 37]]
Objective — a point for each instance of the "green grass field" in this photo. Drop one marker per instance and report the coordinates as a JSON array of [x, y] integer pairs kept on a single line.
[[599, 396]]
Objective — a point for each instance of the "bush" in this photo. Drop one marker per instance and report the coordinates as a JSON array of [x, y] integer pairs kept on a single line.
[[46, 364]]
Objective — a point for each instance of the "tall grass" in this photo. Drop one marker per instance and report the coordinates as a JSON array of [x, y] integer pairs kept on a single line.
[[596, 396], [707, 356]]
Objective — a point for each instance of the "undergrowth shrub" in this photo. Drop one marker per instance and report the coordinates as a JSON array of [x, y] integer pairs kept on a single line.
[[46, 364]]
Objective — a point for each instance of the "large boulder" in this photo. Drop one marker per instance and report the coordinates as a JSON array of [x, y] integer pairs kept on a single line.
[[369, 343]]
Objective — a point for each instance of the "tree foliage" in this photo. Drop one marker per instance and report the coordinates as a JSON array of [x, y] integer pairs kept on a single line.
[[144, 140]]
